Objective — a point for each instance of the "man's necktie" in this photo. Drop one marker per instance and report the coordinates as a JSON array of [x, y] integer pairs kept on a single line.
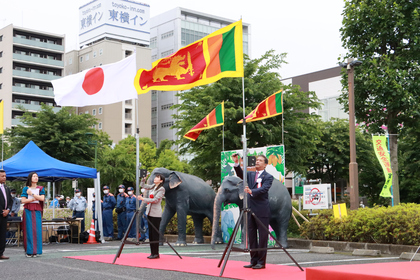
[[256, 176]]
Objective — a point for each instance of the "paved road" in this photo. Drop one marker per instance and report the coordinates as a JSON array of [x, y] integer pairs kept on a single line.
[[52, 265]]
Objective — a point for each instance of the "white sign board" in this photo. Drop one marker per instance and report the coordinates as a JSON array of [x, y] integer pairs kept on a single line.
[[119, 19], [317, 196]]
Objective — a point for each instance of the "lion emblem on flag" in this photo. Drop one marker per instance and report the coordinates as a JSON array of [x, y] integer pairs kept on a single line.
[[176, 68]]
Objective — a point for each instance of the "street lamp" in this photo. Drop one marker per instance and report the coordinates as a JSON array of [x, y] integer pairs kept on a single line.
[[93, 142], [353, 169]]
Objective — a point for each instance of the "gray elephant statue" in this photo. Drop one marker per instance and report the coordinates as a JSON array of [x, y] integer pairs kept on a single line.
[[185, 195], [232, 191]]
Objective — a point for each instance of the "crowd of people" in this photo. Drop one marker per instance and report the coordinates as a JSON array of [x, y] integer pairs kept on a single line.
[[124, 204]]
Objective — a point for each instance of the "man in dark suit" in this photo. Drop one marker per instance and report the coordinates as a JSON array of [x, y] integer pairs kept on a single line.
[[259, 182], [6, 203]]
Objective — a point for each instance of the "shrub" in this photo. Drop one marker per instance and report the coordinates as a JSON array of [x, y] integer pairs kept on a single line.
[[389, 225]]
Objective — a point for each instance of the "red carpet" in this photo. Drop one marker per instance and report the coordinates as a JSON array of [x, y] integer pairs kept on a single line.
[[374, 271], [234, 269]]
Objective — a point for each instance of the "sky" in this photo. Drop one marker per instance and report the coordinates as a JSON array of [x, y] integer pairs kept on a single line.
[[307, 30]]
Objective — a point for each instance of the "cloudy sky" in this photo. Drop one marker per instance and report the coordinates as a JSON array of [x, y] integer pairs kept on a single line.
[[307, 30]]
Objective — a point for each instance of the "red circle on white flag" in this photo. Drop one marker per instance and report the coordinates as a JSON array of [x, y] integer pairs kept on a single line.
[[94, 80]]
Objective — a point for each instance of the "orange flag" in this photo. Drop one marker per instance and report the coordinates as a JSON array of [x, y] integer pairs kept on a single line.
[[215, 118], [270, 107]]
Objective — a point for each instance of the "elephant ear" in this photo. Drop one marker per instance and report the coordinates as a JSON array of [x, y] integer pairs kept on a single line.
[[174, 180]]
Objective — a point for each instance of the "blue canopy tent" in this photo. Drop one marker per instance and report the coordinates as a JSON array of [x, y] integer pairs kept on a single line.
[[32, 158]]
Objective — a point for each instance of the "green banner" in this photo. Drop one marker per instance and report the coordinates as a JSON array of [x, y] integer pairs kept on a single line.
[[381, 151]]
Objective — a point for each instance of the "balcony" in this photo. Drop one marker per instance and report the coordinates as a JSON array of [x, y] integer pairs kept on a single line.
[[36, 76], [38, 60], [17, 122], [128, 116], [37, 44], [49, 93], [32, 107]]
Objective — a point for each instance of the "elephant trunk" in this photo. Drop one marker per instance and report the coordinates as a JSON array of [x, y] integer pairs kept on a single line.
[[216, 215]]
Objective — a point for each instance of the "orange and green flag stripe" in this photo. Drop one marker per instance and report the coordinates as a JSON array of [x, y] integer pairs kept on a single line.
[[215, 118], [205, 61], [268, 108]]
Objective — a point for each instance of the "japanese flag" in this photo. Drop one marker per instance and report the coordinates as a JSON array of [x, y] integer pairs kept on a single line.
[[102, 85]]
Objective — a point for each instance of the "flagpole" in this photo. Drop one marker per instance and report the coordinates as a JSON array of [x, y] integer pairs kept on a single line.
[[245, 166], [2, 143], [223, 136], [282, 127], [138, 165]]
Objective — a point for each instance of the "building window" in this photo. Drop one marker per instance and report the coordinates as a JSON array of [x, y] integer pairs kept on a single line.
[[87, 57], [70, 61], [1, 85], [154, 57], [1, 54], [81, 59], [100, 51], [165, 54], [1, 38], [154, 126], [100, 125], [153, 42], [94, 54], [80, 113], [166, 124], [154, 109], [1, 70], [94, 112], [100, 111], [167, 35], [166, 106], [86, 112]]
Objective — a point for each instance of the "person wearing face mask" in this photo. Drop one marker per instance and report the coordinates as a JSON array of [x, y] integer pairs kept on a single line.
[[54, 202], [14, 212], [121, 211], [78, 206], [130, 205], [67, 201], [108, 205]]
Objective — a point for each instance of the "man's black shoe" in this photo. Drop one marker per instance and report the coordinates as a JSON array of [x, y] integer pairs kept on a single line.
[[258, 266], [153, 257], [249, 266]]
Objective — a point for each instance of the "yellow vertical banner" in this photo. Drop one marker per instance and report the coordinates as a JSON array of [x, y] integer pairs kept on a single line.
[[340, 210], [381, 151], [1, 116]]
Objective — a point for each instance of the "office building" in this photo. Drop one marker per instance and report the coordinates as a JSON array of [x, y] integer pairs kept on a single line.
[[169, 32], [109, 31], [29, 61]]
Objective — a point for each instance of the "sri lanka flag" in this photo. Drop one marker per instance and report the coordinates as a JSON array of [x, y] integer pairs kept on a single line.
[[270, 107], [215, 118], [205, 61]]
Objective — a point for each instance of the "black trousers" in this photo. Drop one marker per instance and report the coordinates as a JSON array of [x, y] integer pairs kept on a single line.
[[258, 257], [154, 234], [3, 230]]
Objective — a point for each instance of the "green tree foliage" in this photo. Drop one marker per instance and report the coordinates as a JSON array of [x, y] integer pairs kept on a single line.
[[385, 36], [165, 144], [261, 80], [330, 160], [61, 135], [169, 160]]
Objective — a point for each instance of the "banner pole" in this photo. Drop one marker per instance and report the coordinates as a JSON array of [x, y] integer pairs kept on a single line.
[[245, 166]]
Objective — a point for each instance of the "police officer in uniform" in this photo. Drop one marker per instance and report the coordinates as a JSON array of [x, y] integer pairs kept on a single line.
[[78, 205], [108, 206], [130, 205], [121, 211]]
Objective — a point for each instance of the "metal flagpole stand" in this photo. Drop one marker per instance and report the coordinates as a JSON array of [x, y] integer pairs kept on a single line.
[[137, 214], [246, 211]]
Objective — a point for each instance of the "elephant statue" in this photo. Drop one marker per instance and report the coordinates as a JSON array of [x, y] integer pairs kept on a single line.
[[185, 195], [232, 191]]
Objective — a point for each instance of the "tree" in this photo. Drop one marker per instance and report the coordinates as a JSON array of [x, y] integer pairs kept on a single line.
[[385, 36], [169, 160], [61, 135], [261, 81], [329, 162]]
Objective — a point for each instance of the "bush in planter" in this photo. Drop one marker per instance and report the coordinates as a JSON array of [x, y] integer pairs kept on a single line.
[[389, 225]]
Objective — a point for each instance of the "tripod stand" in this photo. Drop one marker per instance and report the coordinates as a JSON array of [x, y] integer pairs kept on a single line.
[[124, 240], [229, 247]]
